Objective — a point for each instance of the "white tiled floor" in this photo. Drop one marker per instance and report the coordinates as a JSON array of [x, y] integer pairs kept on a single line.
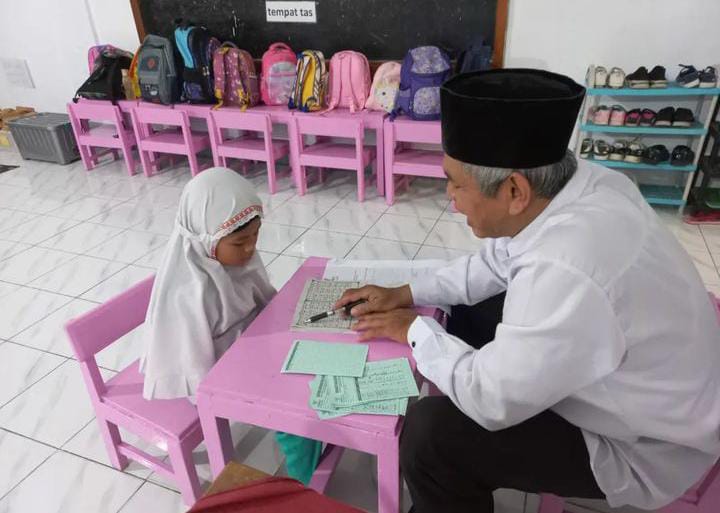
[[70, 239]]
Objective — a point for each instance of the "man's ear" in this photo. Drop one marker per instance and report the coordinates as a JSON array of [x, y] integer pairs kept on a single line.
[[520, 193]]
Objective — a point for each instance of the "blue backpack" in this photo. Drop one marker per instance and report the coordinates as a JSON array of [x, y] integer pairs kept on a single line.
[[423, 71], [476, 57], [196, 46]]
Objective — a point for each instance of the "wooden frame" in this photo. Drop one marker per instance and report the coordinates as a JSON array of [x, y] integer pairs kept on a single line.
[[501, 22]]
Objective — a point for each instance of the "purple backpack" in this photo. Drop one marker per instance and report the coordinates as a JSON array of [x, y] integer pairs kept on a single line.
[[424, 70]]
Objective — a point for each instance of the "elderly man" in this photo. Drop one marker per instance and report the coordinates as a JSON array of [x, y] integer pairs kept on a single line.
[[584, 356]]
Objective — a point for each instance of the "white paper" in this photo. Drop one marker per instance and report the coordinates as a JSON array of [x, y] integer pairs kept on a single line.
[[290, 12], [386, 273]]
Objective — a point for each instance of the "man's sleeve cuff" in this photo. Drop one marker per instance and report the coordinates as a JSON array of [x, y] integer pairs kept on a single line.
[[422, 329]]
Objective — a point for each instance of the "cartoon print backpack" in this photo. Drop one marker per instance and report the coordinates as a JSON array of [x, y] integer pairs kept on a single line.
[[308, 93], [349, 82], [384, 87], [196, 46], [236, 82], [423, 71], [279, 66]]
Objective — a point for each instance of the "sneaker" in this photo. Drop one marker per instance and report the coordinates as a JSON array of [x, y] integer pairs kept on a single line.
[[688, 76], [683, 118], [601, 115], [647, 117], [616, 79], [665, 117], [682, 156], [633, 117], [639, 79], [590, 77], [657, 78], [619, 150], [656, 154], [617, 115], [708, 77], [586, 148], [601, 150], [635, 152]]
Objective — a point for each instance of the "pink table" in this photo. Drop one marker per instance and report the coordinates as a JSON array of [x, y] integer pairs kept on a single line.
[[246, 386]]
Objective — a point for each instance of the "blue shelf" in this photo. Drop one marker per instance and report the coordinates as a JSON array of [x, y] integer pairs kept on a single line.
[[671, 90], [695, 129], [662, 195], [650, 167]]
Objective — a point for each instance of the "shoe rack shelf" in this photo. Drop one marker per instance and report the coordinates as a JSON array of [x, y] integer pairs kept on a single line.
[[696, 133]]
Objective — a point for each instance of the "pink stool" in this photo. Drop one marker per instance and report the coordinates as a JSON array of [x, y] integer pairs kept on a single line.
[[327, 154], [150, 141], [404, 161], [113, 136], [249, 147], [119, 402]]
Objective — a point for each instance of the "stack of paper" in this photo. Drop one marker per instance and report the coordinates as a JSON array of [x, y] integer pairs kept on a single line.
[[345, 383]]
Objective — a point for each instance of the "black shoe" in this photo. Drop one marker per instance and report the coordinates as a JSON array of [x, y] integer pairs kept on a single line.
[[682, 156], [665, 116], [708, 77], [656, 154], [683, 118], [640, 79], [586, 148], [688, 77], [657, 77]]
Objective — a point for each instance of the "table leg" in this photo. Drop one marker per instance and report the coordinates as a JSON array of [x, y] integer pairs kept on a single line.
[[218, 438], [389, 477], [328, 461]]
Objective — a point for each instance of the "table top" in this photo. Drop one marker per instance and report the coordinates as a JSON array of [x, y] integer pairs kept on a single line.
[[249, 371], [370, 118], [406, 120]]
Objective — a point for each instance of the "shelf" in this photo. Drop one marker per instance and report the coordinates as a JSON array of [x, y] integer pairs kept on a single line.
[[662, 194], [651, 167], [695, 129], [672, 90]]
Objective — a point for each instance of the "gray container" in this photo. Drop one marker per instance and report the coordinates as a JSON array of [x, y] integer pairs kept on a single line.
[[46, 136]]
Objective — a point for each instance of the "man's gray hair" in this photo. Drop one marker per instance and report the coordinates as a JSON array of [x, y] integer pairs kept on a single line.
[[546, 181]]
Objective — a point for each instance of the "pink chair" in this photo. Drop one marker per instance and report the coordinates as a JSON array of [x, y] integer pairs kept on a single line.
[[111, 135], [704, 497], [328, 154], [172, 141], [119, 403], [248, 146], [404, 161]]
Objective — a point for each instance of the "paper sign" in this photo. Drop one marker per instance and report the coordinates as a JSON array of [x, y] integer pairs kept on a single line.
[[290, 12]]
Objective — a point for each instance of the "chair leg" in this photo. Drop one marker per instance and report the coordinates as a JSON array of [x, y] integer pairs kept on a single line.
[[361, 184], [272, 177], [111, 436], [185, 473], [380, 180], [302, 181], [147, 162], [86, 157], [116, 154], [388, 461], [129, 159], [194, 167]]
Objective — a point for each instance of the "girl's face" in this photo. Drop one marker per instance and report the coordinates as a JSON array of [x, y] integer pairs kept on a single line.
[[238, 247]]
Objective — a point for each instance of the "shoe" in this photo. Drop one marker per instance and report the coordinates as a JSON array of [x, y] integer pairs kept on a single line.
[[616, 80], [656, 154], [657, 78], [586, 148], [708, 77], [601, 116], [633, 117], [619, 151], [635, 152], [683, 118], [617, 115], [688, 76], [665, 117], [601, 150], [682, 156], [590, 77], [648, 117], [601, 77], [639, 79]]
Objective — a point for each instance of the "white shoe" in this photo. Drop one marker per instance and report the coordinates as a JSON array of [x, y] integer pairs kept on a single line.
[[601, 77], [590, 77], [617, 78]]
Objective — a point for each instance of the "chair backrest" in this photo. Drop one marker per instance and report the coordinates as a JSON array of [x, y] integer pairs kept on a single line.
[[329, 126], [416, 132], [160, 116], [236, 120], [94, 110]]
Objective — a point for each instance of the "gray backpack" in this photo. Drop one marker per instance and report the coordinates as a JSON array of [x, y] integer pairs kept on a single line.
[[157, 70]]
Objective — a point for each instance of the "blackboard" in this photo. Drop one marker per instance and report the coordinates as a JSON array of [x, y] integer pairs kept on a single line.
[[381, 29]]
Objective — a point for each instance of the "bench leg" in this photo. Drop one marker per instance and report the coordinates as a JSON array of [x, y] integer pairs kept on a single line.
[[388, 461]]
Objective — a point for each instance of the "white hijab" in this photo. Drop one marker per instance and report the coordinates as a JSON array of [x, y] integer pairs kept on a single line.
[[198, 307]]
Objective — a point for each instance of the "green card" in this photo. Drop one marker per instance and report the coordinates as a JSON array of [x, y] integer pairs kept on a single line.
[[327, 358]]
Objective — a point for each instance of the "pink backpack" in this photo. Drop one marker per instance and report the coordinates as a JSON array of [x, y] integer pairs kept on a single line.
[[384, 87], [278, 74], [349, 84], [95, 51], [236, 82]]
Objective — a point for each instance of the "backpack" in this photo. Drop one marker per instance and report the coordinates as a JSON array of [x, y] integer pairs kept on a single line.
[[196, 47], [384, 87], [349, 82], [236, 82], [308, 93], [94, 53], [157, 70], [423, 71], [278, 74], [105, 82], [475, 57]]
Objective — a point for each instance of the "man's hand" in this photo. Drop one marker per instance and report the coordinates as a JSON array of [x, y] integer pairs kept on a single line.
[[393, 325], [378, 299]]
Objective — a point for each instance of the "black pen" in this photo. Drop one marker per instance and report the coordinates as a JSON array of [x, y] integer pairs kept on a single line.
[[330, 313]]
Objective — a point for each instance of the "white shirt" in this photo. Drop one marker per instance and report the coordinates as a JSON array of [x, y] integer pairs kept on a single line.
[[606, 322]]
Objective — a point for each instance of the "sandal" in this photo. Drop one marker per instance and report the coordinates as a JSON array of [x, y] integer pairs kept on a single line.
[[586, 148], [635, 152], [633, 117], [616, 80], [601, 150], [656, 154], [648, 117], [601, 115], [617, 115], [619, 150]]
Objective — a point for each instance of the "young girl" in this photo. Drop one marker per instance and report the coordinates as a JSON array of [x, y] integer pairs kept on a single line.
[[210, 286]]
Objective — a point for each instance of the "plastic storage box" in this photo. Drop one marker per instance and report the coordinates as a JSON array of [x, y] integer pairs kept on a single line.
[[45, 136]]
